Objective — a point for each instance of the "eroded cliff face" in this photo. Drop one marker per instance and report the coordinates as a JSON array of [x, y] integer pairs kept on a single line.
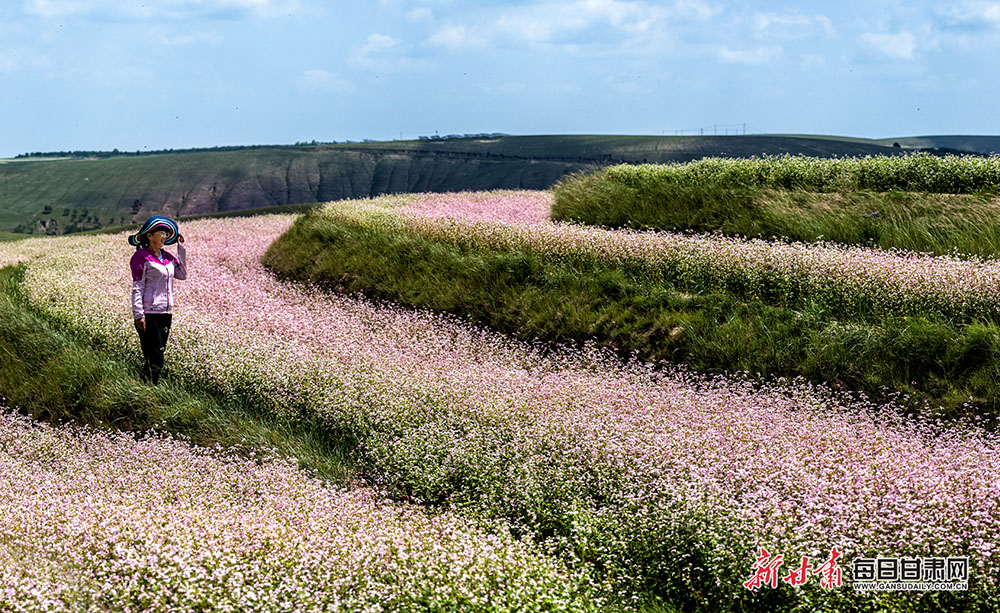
[[342, 175], [100, 193]]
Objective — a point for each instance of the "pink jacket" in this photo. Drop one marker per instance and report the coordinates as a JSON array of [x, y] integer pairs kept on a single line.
[[153, 280]]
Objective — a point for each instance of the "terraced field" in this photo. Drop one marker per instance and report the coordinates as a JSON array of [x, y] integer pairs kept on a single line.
[[500, 461]]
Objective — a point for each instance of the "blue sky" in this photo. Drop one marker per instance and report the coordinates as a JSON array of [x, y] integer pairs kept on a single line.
[[133, 75]]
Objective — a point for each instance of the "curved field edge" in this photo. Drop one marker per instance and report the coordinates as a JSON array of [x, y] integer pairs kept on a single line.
[[613, 473], [919, 203], [945, 369]]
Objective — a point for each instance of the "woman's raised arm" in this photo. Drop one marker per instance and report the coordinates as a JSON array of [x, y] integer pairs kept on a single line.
[[180, 272]]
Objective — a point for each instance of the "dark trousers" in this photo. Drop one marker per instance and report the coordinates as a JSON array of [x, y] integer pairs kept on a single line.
[[153, 342]]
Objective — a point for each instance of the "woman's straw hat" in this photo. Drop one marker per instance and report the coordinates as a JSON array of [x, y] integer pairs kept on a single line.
[[156, 222]]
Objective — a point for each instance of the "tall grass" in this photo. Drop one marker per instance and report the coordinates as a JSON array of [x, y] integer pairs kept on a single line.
[[12, 236], [919, 172], [532, 295], [918, 202]]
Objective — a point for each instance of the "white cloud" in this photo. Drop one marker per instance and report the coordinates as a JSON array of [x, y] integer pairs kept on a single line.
[[695, 9], [757, 55], [900, 46], [317, 80], [634, 16], [378, 42], [543, 22], [264, 8], [791, 26], [129, 10], [456, 37], [367, 54], [54, 8], [381, 53], [970, 27], [971, 12], [421, 13], [194, 38], [414, 10]]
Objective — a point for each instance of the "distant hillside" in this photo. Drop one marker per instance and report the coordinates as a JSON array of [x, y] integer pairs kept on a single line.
[[69, 195], [972, 144]]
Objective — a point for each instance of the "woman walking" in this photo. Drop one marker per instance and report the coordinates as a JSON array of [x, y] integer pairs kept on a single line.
[[153, 274]]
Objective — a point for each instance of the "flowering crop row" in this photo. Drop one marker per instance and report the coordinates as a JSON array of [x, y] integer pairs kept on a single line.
[[663, 480], [850, 281], [98, 521], [921, 172]]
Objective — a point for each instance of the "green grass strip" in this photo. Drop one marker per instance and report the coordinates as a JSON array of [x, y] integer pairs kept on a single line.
[[918, 172], [532, 296], [57, 376], [664, 198], [12, 236]]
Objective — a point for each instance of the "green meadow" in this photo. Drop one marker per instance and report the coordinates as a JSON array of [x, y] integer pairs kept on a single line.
[[920, 203]]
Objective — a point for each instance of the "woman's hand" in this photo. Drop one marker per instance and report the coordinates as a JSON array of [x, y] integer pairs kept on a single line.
[[180, 238], [140, 324]]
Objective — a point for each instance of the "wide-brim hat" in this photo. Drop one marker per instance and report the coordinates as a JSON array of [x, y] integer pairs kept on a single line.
[[156, 222]]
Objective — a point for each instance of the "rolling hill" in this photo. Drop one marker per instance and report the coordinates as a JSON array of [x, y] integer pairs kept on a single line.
[[70, 195]]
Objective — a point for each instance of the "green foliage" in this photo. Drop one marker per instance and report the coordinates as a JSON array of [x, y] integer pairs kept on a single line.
[[532, 296], [916, 202], [918, 172], [12, 236]]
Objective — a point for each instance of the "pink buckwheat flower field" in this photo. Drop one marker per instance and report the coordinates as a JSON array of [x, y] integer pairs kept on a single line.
[[96, 521], [643, 477]]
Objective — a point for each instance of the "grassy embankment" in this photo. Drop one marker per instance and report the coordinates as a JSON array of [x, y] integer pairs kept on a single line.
[[935, 359], [57, 376], [918, 203]]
